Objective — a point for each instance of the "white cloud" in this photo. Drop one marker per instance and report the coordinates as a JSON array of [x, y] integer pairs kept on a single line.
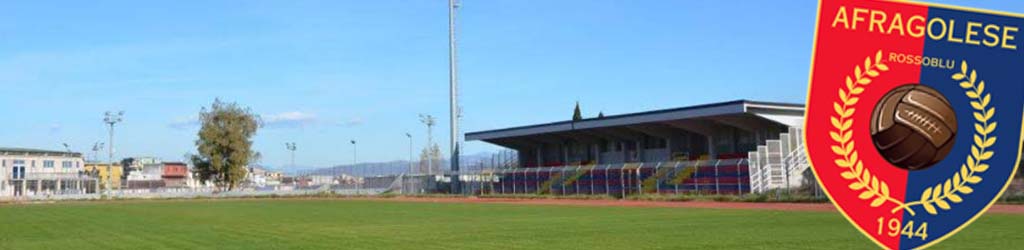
[[55, 128], [354, 121], [289, 119], [184, 123]]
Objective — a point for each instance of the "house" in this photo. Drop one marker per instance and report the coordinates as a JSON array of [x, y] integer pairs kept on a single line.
[[25, 172], [175, 174]]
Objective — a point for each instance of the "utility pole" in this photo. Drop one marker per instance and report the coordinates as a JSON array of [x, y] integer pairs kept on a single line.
[[111, 118], [453, 97], [407, 134], [429, 121]]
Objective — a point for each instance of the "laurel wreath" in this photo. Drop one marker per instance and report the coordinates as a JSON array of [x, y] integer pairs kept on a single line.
[[871, 187], [951, 188]]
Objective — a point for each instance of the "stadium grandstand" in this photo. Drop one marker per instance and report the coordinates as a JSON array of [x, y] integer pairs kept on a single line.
[[731, 147]]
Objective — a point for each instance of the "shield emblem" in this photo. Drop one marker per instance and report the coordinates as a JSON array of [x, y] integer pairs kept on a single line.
[[914, 113]]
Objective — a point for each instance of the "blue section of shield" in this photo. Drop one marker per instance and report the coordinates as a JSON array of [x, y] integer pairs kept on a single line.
[[1004, 78]]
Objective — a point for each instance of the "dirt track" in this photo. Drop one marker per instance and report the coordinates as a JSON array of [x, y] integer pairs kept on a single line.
[[818, 207]]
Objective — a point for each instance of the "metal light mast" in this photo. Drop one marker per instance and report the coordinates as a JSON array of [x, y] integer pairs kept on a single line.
[[453, 100], [111, 118], [291, 147], [429, 121], [407, 134]]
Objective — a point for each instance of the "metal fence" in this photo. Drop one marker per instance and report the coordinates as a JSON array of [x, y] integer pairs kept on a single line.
[[728, 176]]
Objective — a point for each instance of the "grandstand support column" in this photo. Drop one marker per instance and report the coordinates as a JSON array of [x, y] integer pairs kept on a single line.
[[639, 150], [711, 148], [565, 153], [58, 189], [597, 153], [718, 189], [540, 155], [674, 182], [639, 181]]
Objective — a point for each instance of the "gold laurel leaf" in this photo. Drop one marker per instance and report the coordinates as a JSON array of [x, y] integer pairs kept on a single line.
[[872, 73], [867, 64], [864, 81], [981, 168], [865, 195], [885, 188], [965, 189], [882, 67], [878, 57], [991, 127], [856, 72], [954, 198], [852, 101], [856, 186], [849, 175], [963, 67], [942, 204], [927, 194], [928, 207], [981, 87], [974, 179], [877, 202], [958, 76], [966, 85]]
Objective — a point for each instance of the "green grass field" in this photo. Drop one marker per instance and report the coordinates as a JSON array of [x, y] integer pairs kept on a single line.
[[341, 224]]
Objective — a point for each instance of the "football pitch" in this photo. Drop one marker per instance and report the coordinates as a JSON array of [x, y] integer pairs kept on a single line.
[[368, 224]]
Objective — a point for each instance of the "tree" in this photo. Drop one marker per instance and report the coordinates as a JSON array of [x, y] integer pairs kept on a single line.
[[431, 153], [225, 143], [576, 115], [600, 115]]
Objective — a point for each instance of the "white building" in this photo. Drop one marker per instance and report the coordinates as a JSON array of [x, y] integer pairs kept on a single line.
[[28, 172]]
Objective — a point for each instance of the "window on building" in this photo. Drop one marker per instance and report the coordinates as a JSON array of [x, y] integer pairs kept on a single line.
[[47, 164], [66, 164]]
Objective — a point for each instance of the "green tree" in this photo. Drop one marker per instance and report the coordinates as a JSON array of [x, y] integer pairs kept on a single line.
[[225, 143], [430, 159], [600, 114], [576, 114]]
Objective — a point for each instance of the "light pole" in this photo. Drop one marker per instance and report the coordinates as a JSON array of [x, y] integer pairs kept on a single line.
[[429, 121], [453, 103], [111, 118], [291, 147], [407, 134], [96, 151], [359, 184], [354, 152]]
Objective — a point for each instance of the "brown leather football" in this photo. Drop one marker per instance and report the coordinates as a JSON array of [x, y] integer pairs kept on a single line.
[[913, 126]]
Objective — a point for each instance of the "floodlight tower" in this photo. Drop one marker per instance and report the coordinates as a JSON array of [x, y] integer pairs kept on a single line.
[[291, 147], [429, 121], [453, 103], [96, 147], [111, 118], [407, 134]]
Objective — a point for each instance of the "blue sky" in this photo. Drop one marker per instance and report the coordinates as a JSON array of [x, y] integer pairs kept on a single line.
[[323, 72]]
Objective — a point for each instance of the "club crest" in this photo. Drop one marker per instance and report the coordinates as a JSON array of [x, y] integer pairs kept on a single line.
[[914, 113]]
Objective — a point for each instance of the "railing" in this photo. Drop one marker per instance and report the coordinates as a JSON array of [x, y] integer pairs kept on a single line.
[[710, 177]]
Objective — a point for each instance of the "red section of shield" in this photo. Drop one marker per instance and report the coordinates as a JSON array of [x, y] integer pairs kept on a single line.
[[837, 52]]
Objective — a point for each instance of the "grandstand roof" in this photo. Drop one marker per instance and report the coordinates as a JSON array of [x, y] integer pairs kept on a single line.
[[738, 113], [31, 151]]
